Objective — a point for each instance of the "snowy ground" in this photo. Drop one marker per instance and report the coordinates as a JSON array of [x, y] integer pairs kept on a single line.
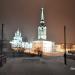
[[38, 66]]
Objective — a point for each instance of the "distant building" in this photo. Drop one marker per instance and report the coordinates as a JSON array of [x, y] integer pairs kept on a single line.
[[18, 44], [17, 40]]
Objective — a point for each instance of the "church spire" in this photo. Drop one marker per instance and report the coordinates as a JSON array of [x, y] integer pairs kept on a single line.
[[42, 27], [42, 16]]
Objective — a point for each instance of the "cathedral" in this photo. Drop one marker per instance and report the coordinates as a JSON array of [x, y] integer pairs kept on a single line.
[[18, 43]]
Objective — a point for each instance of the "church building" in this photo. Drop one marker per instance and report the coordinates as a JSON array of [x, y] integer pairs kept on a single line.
[[42, 44]]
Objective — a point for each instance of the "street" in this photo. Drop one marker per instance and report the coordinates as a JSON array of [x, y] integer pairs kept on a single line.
[[38, 66]]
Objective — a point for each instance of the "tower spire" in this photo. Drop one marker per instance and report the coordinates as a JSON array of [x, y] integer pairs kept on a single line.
[[42, 16]]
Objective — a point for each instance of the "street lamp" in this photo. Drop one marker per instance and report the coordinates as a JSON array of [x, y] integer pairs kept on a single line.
[[65, 61]]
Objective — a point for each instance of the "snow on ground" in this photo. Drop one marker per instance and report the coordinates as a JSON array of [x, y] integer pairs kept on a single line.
[[38, 66]]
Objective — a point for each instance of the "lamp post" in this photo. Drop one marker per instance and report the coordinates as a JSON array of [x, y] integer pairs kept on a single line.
[[1, 50], [65, 61], [2, 39]]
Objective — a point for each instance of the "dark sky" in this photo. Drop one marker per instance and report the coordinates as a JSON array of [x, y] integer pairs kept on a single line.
[[25, 14]]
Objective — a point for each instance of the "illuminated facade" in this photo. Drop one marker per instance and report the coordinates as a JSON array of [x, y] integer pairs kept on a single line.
[[17, 39], [44, 46], [18, 44]]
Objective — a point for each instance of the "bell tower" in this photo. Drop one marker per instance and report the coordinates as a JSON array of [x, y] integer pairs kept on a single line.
[[42, 27]]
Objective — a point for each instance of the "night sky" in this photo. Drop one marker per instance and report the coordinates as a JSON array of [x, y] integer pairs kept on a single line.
[[25, 14]]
